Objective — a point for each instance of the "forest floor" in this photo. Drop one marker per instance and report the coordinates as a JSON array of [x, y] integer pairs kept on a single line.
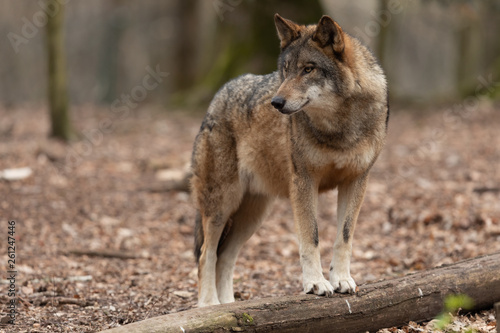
[[98, 243]]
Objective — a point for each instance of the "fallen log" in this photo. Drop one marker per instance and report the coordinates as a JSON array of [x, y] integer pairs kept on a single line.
[[415, 297]]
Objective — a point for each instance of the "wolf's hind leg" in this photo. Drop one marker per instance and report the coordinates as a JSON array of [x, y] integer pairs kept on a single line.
[[212, 230], [213, 226], [245, 221]]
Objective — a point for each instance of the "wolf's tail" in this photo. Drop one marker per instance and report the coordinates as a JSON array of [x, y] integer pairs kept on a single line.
[[198, 236]]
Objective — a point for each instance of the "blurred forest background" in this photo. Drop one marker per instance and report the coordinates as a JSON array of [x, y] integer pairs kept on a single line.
[[98, 223], [432, 51]]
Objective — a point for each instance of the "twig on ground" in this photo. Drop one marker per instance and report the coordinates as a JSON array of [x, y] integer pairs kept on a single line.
[[106, 254], [481, 190], [58, 300]]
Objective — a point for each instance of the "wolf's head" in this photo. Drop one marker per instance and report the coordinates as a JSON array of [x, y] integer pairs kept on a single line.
[[315, 65]]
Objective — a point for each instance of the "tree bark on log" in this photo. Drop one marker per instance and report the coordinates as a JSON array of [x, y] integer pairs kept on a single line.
[[415, 297]]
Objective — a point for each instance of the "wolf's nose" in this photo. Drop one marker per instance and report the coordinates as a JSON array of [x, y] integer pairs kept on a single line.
[[278, 102]]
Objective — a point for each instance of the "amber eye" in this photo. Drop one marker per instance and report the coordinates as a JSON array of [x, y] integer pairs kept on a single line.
[[308, 69]]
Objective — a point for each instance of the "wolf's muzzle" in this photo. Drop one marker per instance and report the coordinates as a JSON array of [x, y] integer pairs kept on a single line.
[[278, 102]]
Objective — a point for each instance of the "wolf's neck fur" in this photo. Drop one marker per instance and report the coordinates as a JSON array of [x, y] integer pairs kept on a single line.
[[325, 132]]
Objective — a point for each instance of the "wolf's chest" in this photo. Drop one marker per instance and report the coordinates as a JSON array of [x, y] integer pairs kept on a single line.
[[269, 169], [331, 168]]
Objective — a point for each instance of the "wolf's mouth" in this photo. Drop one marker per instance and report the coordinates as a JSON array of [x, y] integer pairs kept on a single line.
[[307, 102], [289, 112]]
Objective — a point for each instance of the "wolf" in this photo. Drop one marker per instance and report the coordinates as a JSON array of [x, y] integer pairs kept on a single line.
[[317, 123]]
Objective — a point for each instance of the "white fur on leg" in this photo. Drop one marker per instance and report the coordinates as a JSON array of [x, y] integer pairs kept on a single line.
[[340, 276], [313, 280], [225, 270], [245, 221], [207, 288]]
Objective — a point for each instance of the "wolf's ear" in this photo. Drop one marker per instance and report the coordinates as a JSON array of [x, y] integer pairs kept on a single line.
[[288, 31], [328, 32]]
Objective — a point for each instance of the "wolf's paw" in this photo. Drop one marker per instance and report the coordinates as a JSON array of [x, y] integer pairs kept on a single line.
[[202, 304], [207, 300], [319, 287], [226, 299], [343, 284]]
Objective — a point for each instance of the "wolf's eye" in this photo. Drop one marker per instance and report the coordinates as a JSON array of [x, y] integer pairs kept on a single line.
[[308, 69]]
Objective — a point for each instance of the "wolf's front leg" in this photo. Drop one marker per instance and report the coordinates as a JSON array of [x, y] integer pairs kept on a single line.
[[304, 199], [350, 198]]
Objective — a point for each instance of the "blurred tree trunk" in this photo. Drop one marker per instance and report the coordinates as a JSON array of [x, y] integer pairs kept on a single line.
[[382, 37], [255, 47], [245, 41], [469, 49], [58, 97], [183, 70], [107, 74]]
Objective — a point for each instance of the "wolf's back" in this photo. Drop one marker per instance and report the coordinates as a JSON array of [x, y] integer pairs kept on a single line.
[[244, 93]]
